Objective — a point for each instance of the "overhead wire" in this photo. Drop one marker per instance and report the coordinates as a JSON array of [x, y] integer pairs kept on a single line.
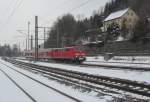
[[77, 7], [7, 8], [56, 8], [61, 4], [6, 11], [14, 10], [16, 6], [64, 2]]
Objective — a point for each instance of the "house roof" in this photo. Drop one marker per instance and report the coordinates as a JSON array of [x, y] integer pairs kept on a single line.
[[92, 43], [117, 14]]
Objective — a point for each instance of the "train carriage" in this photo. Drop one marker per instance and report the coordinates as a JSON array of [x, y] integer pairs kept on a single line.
[[74, 54]]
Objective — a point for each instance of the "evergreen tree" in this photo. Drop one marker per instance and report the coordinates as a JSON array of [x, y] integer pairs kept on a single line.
[[113, 31], [140, 30]]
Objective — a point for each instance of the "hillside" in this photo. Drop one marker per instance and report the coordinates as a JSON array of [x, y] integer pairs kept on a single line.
[[68, 31], [141, 7]]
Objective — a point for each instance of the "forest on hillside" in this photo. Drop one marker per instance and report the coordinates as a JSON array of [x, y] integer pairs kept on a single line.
[[6, 50], [69, 31]]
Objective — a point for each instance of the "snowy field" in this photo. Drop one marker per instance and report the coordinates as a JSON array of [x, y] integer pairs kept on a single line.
[[42, 94], [36, 90], [140, 76], [121, 61], [10, 92]]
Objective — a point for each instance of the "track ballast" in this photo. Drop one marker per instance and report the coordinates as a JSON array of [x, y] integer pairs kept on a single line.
[[115, 83]]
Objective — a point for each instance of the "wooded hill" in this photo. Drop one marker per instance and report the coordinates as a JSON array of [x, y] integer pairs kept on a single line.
[[68, 31]]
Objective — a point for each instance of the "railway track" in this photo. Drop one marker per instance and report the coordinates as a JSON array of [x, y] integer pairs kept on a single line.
[[95, 80], [105, 66], [74, 82], [119, 67], [13, 81], [31, 97]]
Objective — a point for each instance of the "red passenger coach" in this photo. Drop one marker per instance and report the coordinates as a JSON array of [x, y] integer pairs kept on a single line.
[[74, 54]]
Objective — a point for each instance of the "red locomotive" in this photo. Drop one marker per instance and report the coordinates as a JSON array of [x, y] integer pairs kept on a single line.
[[74, 54]]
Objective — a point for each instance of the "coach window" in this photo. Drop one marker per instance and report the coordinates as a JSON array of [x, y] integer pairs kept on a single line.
[[63, 50], [67, 49]]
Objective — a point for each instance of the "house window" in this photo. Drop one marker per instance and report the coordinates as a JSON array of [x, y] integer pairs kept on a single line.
[[129, 19], [107, 25]]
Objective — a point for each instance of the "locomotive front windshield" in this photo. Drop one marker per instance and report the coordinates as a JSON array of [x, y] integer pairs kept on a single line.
[[80, 48], [77, 48]]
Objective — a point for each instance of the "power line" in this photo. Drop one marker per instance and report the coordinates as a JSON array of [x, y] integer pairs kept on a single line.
[[17, 5], [79, 6], [11, 3], [7, 8], [63, 3], [57, 7], [14, 10]]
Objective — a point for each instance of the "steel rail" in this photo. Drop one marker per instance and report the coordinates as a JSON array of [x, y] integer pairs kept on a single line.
[[121, 84], [118, 67], [75, 82], [60, 92], [25, 92], [105, 66]]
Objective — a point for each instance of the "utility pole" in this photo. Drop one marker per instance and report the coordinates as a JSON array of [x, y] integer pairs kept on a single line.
[[57, 29], [45, 33], [26, 44], [28, 35], [36, 38], [31, 42], [44, 37], [26, 39], [19, 50]]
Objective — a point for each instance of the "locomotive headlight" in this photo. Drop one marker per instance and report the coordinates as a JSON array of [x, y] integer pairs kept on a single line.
[[77, 54], [83, 54]]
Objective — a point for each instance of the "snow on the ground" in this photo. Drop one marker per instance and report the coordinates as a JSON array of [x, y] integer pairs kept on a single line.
[[85, 97], [141, 76], [121, 61], [36, 90], [9, 92], [109, 64]]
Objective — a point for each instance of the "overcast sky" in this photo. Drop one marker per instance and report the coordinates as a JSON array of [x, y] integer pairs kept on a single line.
[[15, 14]]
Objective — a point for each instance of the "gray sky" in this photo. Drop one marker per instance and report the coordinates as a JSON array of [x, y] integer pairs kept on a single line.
[[15, 14]]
